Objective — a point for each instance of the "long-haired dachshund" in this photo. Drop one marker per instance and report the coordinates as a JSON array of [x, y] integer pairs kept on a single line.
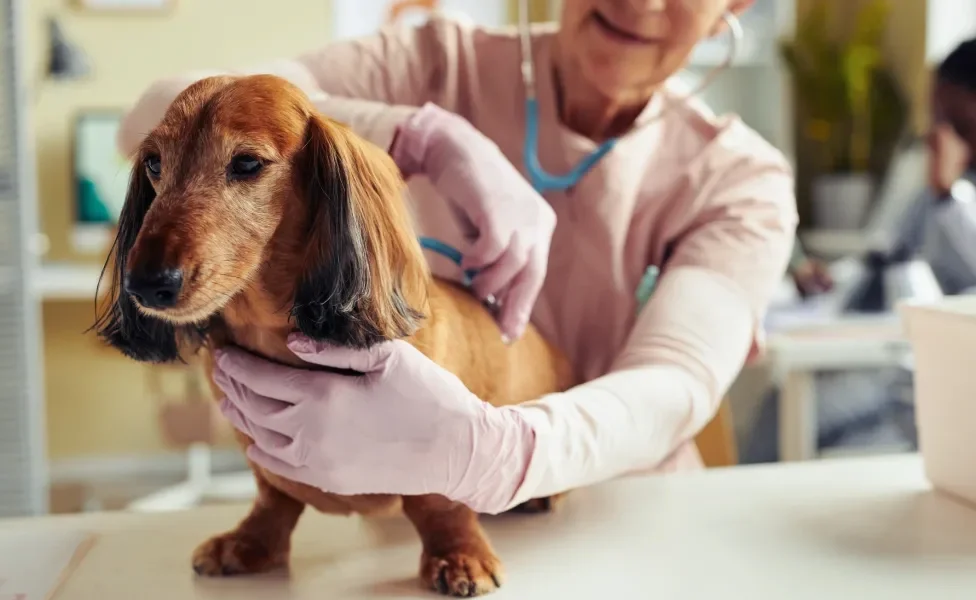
[[250, 216]]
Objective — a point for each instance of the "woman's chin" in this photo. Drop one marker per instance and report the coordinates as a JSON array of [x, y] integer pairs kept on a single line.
[[614, 80]]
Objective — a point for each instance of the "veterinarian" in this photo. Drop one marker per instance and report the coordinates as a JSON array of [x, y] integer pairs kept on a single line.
[[582, 171]]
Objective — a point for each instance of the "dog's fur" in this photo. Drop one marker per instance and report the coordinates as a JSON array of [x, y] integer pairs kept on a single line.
[[320, 241]]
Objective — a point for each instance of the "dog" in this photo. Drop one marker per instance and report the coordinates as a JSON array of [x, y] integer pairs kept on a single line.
[[249, 216]]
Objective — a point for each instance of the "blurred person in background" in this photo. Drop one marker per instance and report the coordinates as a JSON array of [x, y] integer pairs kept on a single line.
[[567, 151], [873, 407], [940, 227]]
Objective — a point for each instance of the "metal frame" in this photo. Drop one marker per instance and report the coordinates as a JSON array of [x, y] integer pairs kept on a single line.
[[28, 401]]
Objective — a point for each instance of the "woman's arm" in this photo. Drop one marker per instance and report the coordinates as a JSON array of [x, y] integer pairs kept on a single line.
[[955, 220], [685, 349], [687, 346], [372, 84]]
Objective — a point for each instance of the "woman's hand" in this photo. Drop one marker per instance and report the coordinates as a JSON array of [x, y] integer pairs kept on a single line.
[[406, 426], [948, 157], [512, 223], [812, 277]]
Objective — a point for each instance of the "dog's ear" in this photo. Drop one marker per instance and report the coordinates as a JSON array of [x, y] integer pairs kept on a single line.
[[364, 275], [119, 321]]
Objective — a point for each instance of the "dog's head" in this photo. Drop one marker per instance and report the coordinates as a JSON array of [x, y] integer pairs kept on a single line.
[[244, 189]]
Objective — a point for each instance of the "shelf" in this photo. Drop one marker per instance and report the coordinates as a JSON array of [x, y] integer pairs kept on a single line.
[[66, 281]]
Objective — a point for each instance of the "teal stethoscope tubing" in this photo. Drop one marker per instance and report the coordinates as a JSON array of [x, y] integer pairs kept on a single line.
[[449, 252], [544, 181], [644, 290]]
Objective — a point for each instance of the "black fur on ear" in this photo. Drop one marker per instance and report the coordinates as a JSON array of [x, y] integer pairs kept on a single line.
[[120, 323], [363, 266]]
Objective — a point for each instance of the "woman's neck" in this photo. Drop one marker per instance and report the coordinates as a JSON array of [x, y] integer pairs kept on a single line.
[[587, 110]]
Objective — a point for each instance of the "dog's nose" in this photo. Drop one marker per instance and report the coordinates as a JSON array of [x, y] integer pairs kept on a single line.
[[155, 289]]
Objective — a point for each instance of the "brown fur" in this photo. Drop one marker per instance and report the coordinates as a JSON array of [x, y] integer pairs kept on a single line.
[[320, 241]]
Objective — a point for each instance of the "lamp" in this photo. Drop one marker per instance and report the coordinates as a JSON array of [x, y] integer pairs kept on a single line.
[[66, 61]]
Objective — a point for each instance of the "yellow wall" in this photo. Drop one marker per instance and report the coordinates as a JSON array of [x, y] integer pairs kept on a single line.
[[97, 402], [905, 46], [538, 10]]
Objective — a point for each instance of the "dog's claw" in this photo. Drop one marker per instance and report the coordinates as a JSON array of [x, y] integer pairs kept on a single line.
[[441, 582], [228, 571], [462, 575], [494, 579], [234, 554]]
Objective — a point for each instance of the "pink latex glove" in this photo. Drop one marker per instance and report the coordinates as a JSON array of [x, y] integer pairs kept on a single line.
[[405, 427], [513, 223]]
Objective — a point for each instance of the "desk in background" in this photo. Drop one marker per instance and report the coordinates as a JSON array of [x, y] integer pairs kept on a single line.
[[796, 354], [840, 528]]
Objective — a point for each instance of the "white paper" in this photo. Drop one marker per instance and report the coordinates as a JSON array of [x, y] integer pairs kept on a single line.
[[34, 563]]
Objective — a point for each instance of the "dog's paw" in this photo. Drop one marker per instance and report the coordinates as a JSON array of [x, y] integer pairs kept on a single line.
[[236, 553], [462, 574], [538, 505]]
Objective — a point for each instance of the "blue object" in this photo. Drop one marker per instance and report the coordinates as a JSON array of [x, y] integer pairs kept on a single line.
[[647, 285], [450, 252], [542, 180], [644, 290]]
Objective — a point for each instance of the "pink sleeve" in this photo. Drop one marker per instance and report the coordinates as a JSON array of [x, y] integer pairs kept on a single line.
[[688, 344], [372, 84]]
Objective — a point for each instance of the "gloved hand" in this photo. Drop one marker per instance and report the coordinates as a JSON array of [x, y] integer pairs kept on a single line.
[[406, 426], [514, 224]]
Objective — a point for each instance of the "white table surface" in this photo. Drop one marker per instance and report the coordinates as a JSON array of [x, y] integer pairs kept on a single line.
[[842, 528]]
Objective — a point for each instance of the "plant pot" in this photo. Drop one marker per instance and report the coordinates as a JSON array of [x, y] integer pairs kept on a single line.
[[841, 201]]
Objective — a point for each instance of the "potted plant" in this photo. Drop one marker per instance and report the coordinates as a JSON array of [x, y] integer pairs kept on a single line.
[[851, 111]]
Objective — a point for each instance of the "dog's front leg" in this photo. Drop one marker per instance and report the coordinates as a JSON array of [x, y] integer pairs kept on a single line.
[[457, 558], [262, 541]]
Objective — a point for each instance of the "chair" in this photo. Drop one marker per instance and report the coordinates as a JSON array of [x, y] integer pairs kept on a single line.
[[716, 442]]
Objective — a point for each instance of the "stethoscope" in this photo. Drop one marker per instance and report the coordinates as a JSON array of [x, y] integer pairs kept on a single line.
[[544, 181]]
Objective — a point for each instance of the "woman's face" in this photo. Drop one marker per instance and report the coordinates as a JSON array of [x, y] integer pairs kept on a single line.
[[624, 45], [956, 105]]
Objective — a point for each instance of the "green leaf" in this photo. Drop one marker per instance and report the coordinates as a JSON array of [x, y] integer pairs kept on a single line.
[[840, 84]]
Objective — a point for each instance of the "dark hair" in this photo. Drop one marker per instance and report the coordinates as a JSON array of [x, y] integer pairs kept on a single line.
[[120, 323], [959, 68]]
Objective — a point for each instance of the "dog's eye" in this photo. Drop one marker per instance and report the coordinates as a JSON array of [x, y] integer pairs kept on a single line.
[[244, 165], [154, 165]]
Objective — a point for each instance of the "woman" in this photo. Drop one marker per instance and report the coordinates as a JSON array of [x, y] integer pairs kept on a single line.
[[703, 198]]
